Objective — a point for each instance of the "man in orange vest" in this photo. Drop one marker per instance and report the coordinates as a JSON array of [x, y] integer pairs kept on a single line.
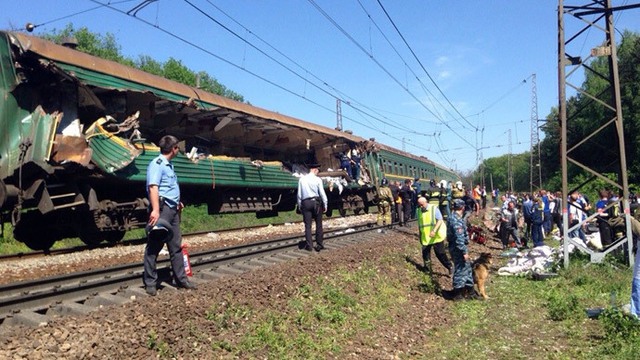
[[432, 233]]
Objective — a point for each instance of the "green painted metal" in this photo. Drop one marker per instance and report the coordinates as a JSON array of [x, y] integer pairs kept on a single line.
[[18, 126], [115, 156], [216, 172], [431, 170], [94, 78]]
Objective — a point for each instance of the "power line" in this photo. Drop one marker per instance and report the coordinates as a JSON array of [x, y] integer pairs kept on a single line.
[[422, 85], [422, 66], [373, 58], [280, 63]]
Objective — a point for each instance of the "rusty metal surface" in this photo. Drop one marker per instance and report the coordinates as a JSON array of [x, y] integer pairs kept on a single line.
[[62, 54]]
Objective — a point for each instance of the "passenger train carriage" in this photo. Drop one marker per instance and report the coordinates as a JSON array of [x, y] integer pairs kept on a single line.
[[77, 133]]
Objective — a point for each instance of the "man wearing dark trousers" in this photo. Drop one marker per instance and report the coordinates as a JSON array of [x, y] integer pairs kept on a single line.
[[406, 193], [164, 218], [312, 202]]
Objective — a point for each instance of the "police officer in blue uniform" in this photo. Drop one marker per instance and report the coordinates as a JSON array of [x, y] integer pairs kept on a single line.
[[164, 218], [458, 248]]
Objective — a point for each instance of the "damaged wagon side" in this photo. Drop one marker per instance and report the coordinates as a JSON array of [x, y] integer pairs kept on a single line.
[[77, 133]]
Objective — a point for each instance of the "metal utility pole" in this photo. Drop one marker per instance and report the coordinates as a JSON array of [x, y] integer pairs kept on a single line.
[[535, 168], [595, 17], [338, 115], [509, 163]]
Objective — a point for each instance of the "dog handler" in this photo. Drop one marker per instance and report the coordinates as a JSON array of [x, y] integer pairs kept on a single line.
[[458, 242], [432, 232]]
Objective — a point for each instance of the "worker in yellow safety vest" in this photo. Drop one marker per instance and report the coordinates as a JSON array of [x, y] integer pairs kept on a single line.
[[432, 233]]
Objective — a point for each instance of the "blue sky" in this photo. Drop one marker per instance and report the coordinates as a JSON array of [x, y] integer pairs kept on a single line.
[[478, 53]]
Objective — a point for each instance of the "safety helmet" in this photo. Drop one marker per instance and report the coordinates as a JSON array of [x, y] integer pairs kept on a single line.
[[443, 183], [432, 182], [384, 182], [459, 184]]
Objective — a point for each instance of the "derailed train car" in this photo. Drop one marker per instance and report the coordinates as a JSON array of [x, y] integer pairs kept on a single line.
[[77, 133]]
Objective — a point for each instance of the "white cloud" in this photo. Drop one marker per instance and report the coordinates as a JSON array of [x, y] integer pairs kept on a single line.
[[442, 60], [444, 74]]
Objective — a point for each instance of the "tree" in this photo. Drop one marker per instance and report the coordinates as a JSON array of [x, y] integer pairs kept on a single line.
[[586, 116], [106, 47]]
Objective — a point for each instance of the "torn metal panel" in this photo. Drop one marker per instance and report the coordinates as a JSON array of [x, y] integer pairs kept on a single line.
[[120, 76], [109, 152], [31, 142], [71, 148]]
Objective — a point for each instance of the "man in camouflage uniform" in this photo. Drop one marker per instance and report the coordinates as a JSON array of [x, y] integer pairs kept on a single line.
[[385, 198], [434, 195], [445, 200], [458, 248]]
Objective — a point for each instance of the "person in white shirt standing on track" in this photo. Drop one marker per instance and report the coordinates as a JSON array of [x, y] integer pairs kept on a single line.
[[312, 202]]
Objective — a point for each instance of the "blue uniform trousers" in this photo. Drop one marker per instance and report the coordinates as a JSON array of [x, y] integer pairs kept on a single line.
[[635, 287], [173, 239], [536, 235], [462, 272]]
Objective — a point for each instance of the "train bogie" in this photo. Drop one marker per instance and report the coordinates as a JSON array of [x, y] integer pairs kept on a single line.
[[79, 132]]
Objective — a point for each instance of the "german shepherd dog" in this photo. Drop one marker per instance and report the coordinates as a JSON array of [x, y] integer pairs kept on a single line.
[[481, 272]]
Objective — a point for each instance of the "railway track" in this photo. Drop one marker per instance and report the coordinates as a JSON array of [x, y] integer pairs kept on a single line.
[[140, 241], [36, 302]]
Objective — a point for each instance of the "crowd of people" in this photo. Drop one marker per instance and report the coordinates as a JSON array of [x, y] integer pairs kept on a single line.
[[442, 211], [524, 220]]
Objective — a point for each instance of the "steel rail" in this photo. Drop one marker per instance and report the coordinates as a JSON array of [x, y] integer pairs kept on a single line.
[[33, 302], [140, 241]]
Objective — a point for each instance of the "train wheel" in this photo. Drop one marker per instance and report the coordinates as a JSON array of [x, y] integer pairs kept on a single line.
[[87, 230], [113, 236], [342, 212], [3, 193], [36, 230]]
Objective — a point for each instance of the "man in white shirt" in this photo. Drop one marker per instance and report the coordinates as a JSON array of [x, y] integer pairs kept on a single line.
[[312, 202]]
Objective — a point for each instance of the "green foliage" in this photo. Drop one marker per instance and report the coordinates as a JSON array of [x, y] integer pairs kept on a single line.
[[155, 343], [586, 115], [562, 306], [621, 335], [497, 168], [107, 47], [618, 324], [429, 285], [228, 316], [320, 314]]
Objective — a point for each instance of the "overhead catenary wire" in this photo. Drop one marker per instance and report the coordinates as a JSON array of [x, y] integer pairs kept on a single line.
[[422, 85], [422, 66], [361, 109], [278, 62], [382, 67]]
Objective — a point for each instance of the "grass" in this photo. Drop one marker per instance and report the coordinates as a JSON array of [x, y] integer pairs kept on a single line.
[[523, 319], [528, 319], [319, 317], [194, 219]]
